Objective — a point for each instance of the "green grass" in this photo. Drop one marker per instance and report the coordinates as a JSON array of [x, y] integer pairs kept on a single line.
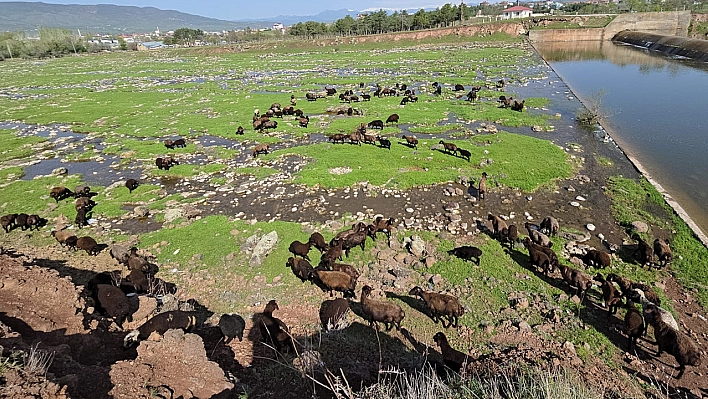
[[11, 173], [14, 147], [32, 196], [639, 200], [403, 167]]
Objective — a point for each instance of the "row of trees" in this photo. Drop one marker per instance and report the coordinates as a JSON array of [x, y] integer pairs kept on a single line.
[[382, 22], [51, 43]]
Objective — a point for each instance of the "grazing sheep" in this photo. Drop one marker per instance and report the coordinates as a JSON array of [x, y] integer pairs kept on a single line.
[[300, 267], [644, 251], [114, 302], [549, 226], [175, 319], [240, 130], [303, 122], [370, 138], [84, 203], [268, 125], [648, 292], [82, 190], [298, 248], [333, 311], [380, 311], [260, 149], [376, 124], [273, 331], [538, 237], [449, 148], [393, 118], [176, 143], [21, 221], [62, 235], [80, 220], [597, 258], [510, 235], [337, 138], [538, 258], [330, 281], [131, 184], [662, 250], [8, 222], [681, 347], [625, 284], [344, 268], [576, 278], [611, 297], [518, 106], [498, 224], [482, 191], [318, 241], [440, 305], [380, 224], [232, 326], [35, 222], [71, 242], [137, 262], [165, 163], [467, 252], [633, 324], [89, 245], [471, 96], [652, 310], [356, 137], [464, 153], [453, 359], [332, 253], [59, 193], [459, 87], [139, 281], [411, 141], [384, 143]]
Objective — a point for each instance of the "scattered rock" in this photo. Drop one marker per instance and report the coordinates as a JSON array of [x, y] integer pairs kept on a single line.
[[640, 227], [60, 171], [263, 248], [173, 214]]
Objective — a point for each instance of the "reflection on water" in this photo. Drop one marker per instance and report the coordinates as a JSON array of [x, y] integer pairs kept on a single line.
[[654, 107]]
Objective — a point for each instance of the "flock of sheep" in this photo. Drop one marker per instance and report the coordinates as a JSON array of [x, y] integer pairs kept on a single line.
[[332, 276]]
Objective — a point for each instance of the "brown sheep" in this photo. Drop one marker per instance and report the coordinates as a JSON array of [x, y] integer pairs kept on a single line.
[[318, 241], [644, 252], [538, 237], [80, 221], [662, 250], [341, 267], [139, 281], [440, 305], [610, 295], [84, 203], [380, 311], [538, 258], [165, 163], [273, 331], [300, 267], [482, 191], [467, 252], [260, 149], [633, 324], [334, 281], [498, 224], [174, 319], [59, 193], [453, 359], [89, 245], [681, 347], [549, 226], [62, 235], [576, 278], [114, 302], [510, 235], [411, 141], [333, 311], [35, 222], [380, 224], [337, 138], [331, 254], [8, 222], [449, 148], [298, 248], [82, 190], [597, 258]]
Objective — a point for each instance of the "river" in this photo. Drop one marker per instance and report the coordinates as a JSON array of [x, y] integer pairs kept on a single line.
[[653, 107]]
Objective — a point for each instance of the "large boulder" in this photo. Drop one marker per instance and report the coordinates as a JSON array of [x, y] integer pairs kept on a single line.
[[263, 248], [178, 363]]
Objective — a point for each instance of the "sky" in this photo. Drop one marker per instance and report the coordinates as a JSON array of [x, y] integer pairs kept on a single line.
[[249, 9]]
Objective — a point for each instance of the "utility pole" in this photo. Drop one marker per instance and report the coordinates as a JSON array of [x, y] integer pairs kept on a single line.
[[462, 11]]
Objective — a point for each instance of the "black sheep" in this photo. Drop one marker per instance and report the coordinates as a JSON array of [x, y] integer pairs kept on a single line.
[[80, 220], [380, 311], [59, 193], [549, 226], [452, 358], [232, 326], [644, 252], [510, 235], [538, 258], [131, 184], [662, 250], [332, 312], [89, 245], [464, 154], [21, 221], [393, 118], [633, 324], [273, 331], [376, 124], [384, 142], [482, 191], [597, 258], [160, 324], [114, 302], [467, 252], [8, 222], [82, 190], [165, 163], [35, 222], [139, 281]]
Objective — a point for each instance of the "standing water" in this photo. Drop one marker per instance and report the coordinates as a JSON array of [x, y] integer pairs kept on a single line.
[[653, 107]]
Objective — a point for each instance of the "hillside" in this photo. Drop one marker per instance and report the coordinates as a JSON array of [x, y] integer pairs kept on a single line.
[[106, 18]]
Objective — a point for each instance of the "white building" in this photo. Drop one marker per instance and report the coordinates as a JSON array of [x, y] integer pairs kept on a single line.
[[516, 12]]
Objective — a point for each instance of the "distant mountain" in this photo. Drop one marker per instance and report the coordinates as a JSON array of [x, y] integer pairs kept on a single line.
[[106, 18], [324, 16]]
